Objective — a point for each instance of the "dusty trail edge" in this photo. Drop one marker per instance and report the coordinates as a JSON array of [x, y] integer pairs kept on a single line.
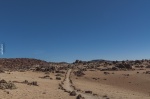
[[68, 87]]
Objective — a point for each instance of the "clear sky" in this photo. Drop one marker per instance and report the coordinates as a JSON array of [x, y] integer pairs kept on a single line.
[[66, 30]]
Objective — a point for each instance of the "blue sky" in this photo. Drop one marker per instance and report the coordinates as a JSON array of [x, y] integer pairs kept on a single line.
[[66, 30]]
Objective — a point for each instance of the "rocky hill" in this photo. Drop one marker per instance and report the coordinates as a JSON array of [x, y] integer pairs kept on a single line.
[[18, 63]]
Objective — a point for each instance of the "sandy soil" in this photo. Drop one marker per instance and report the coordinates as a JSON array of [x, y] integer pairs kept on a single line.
[[67, 86], [115, 85], [47, 89]]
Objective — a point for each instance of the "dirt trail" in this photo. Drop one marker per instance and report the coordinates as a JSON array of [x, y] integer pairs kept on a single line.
[[67, 86]]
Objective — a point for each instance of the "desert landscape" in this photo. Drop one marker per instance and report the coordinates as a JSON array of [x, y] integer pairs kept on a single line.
[[74, 49], [24, 78]]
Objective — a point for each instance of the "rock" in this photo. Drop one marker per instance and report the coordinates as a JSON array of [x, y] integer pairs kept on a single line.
[[26, 81], [7, 92], [79, 73], [2, 71], [58, 78], [3, 81], [47, 72], [60, 72], [106, 73], [45, 77], [147, 72], [22, 70], [44, 93], [73, 93], [115, 68], [88, 92], [79, 96], [95, 95], [7, 85], [105, 96], [20, 63], [59, 75], [32, 83], [148, 66], [124, 65]]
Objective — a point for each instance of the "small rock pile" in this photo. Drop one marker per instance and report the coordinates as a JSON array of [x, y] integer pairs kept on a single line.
[[34, 83], [79, 73], [7, 85]]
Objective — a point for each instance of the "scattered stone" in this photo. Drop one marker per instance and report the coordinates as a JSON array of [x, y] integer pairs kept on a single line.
[[106, 73], [126, 74], [105, 96], [22, 70], [148, 66], [79, 73], [30, 83], [2, 71], [3, 81], [124, 66], [58, 78], [59, 75], [78, 90], [7, 92], [79, 97], [44, 93], [90, 92], [147, 72], [47, 72], [34, 83], [115, 68], [45, 77], [26, 82], [60, 72], [94, 94], [95, 78], [7, 85], [73, 93]]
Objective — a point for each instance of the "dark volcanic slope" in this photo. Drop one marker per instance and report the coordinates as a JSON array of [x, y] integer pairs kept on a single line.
[[20, 62]]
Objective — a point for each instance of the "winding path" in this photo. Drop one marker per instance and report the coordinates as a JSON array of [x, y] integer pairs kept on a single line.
[[67, 86]]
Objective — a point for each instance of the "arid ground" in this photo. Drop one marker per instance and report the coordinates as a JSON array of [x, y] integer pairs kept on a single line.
[[79, 80]]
